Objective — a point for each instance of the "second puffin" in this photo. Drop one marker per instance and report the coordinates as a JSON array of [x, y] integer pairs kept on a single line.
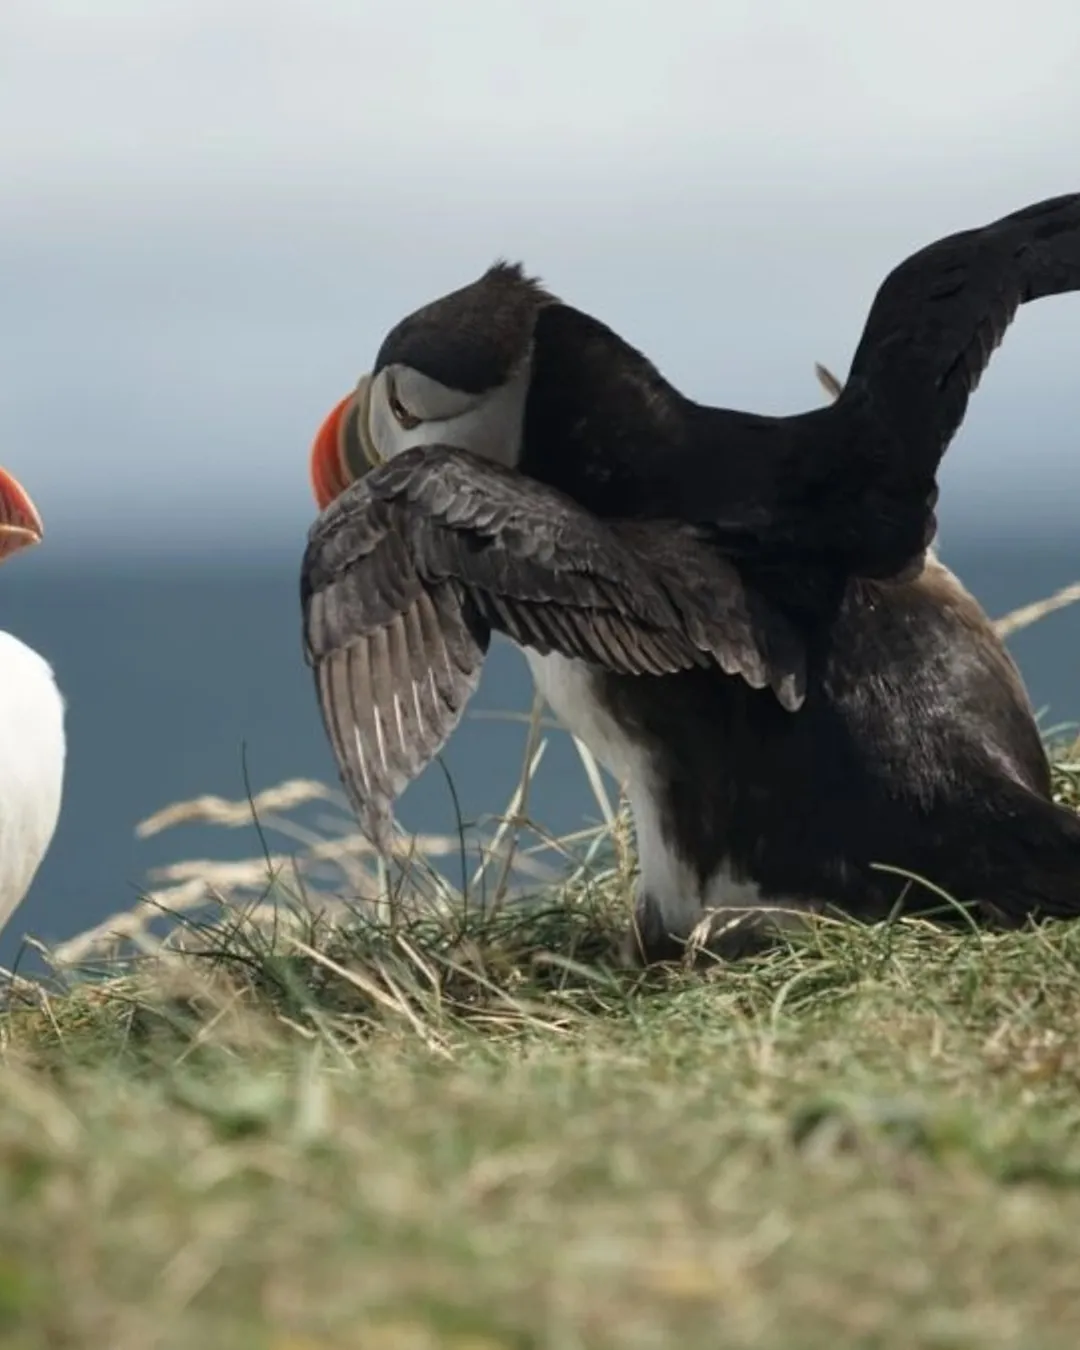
[[691, 586]]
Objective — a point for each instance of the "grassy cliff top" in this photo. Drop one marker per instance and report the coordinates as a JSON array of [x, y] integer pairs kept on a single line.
[[438, 1126]]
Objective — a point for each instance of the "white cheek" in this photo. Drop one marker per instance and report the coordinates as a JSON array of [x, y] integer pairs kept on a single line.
[[504, 418], [387, 434], [492, 429], [390, 438]]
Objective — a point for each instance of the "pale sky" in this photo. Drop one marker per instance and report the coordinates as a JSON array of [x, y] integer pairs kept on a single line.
[[212, 210]]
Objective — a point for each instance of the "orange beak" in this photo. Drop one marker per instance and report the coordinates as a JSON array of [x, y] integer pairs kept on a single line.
[[328, 466], [20, 524]]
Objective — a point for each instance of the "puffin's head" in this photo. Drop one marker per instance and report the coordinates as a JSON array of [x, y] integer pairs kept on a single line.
[[20, 524], [455, 372]]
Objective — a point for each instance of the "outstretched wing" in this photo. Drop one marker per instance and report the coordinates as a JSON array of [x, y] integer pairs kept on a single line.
[[408, 572], [852, 486], [938, 317]]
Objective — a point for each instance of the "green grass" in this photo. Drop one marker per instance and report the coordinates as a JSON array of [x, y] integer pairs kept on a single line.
[[439, 1125], [873, 1139]]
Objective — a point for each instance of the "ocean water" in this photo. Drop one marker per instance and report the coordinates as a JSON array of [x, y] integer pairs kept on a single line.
[[183, 676]]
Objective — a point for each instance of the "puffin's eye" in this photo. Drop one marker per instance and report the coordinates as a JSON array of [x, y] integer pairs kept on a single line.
[[404, 417]]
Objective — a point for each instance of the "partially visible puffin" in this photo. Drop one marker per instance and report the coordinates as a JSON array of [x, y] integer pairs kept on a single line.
[[718, 604], [32, 739]]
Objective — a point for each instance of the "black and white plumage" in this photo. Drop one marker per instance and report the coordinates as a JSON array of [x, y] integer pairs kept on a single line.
[[32, 737], [719, 604], [407, 576]]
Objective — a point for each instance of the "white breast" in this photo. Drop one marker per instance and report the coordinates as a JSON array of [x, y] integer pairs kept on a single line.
[[570, 689], [32, 754]]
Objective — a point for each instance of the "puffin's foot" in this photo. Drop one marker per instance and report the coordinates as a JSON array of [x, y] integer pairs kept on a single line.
[[722, 935], [648, 942]]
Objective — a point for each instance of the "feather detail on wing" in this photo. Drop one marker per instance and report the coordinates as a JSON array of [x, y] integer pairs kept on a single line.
[[409, 571]]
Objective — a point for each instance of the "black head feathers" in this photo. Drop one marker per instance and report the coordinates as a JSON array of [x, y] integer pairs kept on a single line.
[[473, 338]]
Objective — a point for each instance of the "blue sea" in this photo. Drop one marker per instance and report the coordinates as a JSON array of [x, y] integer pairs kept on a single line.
[[185, 678]]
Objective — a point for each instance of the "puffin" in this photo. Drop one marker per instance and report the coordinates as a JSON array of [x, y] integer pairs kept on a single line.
[[33, 743], [740, 615]]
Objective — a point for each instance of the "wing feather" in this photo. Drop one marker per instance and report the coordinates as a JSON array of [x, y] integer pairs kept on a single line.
[[939, 316], [409, 571], [852, 487]]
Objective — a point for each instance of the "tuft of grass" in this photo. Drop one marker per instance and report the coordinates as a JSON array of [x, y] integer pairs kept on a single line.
[[436, 1113]]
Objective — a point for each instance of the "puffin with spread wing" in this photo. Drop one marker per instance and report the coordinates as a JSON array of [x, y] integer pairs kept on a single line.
[[734, 612]]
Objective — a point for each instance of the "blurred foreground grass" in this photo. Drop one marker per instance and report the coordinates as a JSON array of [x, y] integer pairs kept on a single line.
[[872, 1139], [449, 1121]]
